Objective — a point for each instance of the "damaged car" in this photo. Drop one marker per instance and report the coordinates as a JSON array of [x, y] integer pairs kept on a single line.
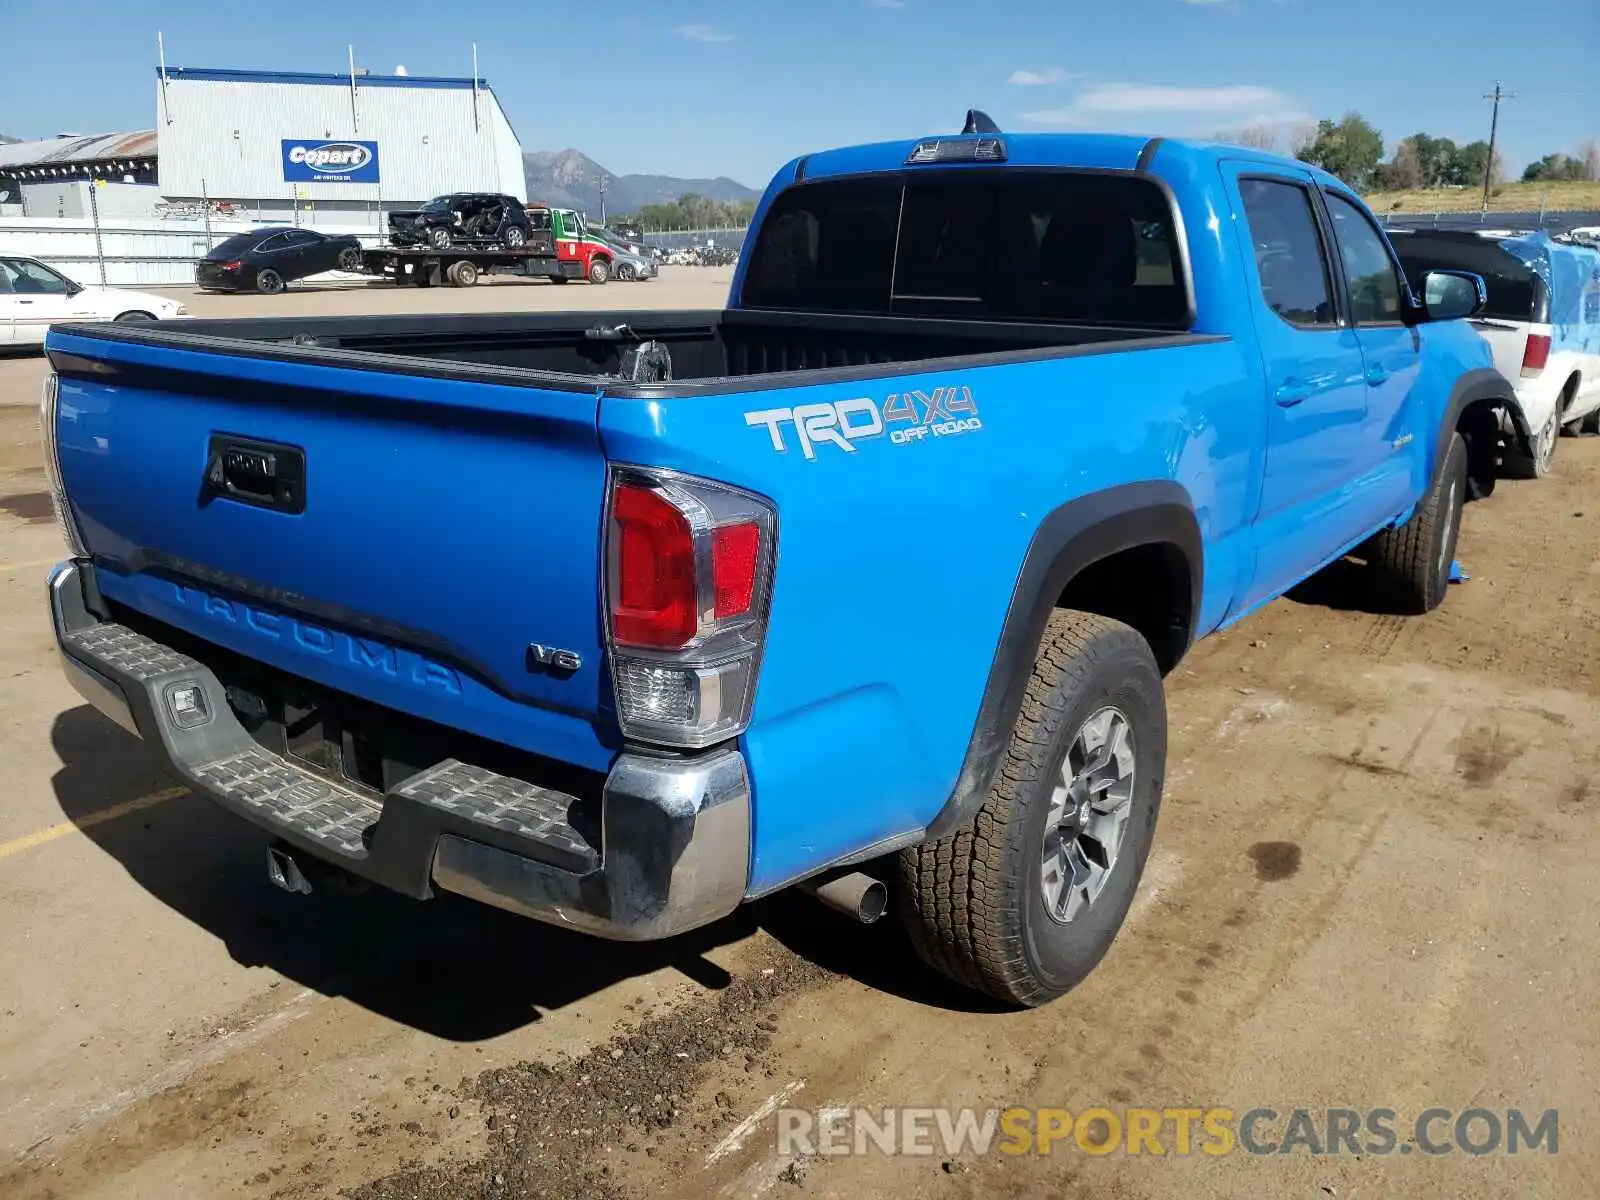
[[462, 219]]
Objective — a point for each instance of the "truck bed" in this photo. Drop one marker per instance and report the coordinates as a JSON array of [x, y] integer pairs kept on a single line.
[[711, 350]]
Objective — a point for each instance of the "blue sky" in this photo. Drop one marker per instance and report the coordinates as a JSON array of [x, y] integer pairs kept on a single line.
[[736, 87]]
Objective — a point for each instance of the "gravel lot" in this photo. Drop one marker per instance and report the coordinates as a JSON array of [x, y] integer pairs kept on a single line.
[[1374, 886]]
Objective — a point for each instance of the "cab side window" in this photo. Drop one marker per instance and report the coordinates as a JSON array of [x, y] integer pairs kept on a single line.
[[1290, 259], [1368, 270]]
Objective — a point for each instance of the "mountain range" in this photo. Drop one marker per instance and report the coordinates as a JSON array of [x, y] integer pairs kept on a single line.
[[571, 179]]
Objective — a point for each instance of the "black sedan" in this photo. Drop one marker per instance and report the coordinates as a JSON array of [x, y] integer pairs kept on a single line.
[[264, 260]]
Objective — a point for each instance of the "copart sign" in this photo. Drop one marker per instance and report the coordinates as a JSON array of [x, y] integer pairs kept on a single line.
[[321, 161]]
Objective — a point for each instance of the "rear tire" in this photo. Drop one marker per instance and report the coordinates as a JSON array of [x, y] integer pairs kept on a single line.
[[516, 238], [1533, 462], [1569, 397], [350, 259], [978, 904], [464, 273], [269, 282], [1414, 560], [1591, 423], [599, 271]]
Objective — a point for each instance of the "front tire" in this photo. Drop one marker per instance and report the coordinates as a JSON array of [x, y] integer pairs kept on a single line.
[[439, 238], [137, 317], [1414, 560], [599, 271], [269, 282], [1025, 901]]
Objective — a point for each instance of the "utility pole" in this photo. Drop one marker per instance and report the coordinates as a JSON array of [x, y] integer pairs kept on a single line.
[[602, 198], [1494, 128]]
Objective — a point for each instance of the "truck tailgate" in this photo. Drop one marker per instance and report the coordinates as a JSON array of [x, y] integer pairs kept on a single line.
[[446, 527]]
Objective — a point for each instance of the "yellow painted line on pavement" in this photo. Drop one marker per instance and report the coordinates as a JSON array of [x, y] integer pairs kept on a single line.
[[43, 562], [88, 821]]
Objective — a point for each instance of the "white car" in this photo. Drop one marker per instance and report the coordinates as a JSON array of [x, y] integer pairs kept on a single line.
[[34, 297], [1542, 321]]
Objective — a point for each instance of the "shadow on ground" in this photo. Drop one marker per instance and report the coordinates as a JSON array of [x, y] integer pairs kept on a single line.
[[448, 966], [1347, 585]]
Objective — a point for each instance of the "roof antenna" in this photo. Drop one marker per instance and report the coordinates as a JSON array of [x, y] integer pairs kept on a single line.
[[979, 122]]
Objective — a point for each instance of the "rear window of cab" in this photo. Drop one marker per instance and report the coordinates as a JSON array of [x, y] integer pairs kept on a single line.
[[1059, 246]]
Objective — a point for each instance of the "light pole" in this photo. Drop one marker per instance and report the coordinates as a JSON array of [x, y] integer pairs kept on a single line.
[[602, 199]]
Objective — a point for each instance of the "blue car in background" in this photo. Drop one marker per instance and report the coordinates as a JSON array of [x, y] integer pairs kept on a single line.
[[872, 577]]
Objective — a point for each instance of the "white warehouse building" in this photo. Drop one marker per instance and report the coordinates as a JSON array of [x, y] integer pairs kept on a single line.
[[272, 142]]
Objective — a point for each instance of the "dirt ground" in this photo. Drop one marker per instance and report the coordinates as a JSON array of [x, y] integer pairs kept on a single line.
[[1374, 886]]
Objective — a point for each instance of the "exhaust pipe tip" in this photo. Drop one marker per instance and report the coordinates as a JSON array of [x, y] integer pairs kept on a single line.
[[858, 896]]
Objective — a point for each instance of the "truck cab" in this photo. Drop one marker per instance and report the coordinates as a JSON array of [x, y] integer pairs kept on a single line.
[[590, 257]]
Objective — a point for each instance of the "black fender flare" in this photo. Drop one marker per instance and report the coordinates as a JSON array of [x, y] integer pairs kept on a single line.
[[1071, 538], [1475, 386]]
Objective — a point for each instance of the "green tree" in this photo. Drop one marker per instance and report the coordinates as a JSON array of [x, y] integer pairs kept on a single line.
[[693, 211], [1556, 168], [1434, 158], [1349, 148], [1468, 165]]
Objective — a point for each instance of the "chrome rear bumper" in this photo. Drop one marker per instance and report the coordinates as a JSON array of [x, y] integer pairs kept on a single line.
[[674, 832]]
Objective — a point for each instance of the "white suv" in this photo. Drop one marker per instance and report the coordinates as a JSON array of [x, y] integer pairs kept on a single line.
[[1542, 322], [34, 297]]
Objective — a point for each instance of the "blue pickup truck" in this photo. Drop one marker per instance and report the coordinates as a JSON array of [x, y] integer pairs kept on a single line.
[[621, 620]]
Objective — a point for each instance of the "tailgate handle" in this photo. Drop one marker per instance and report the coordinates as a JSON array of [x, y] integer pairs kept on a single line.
[[264, 474]]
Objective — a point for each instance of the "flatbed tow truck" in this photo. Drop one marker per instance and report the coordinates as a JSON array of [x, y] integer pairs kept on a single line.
[[463, 266], [558, 249]]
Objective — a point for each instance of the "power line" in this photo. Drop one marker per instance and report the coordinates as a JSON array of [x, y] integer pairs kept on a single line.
[[1494, 128]]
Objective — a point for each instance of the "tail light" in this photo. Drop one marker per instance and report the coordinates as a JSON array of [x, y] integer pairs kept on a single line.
[[1536, 353], [49, 405], [232, 266], [688, 582]]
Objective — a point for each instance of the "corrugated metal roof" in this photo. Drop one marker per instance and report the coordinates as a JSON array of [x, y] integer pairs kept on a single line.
[[96, 148], [223, 75]]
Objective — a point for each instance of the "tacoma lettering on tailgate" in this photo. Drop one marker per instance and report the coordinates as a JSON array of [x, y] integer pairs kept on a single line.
[[361, 652]]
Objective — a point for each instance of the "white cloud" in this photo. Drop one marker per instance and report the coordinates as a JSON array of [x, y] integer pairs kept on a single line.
[[1287, 116], [701, 33], [1103, 100], [1141, 97], [1039, 78]]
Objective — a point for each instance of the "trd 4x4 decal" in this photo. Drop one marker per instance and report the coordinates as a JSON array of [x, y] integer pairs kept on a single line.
[[904, 417]]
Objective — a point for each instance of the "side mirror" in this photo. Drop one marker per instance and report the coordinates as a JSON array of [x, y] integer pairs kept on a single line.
[[1451, 295]]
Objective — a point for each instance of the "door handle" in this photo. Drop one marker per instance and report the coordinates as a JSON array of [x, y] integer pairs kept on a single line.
[[1376, 376], [1291, 392]]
